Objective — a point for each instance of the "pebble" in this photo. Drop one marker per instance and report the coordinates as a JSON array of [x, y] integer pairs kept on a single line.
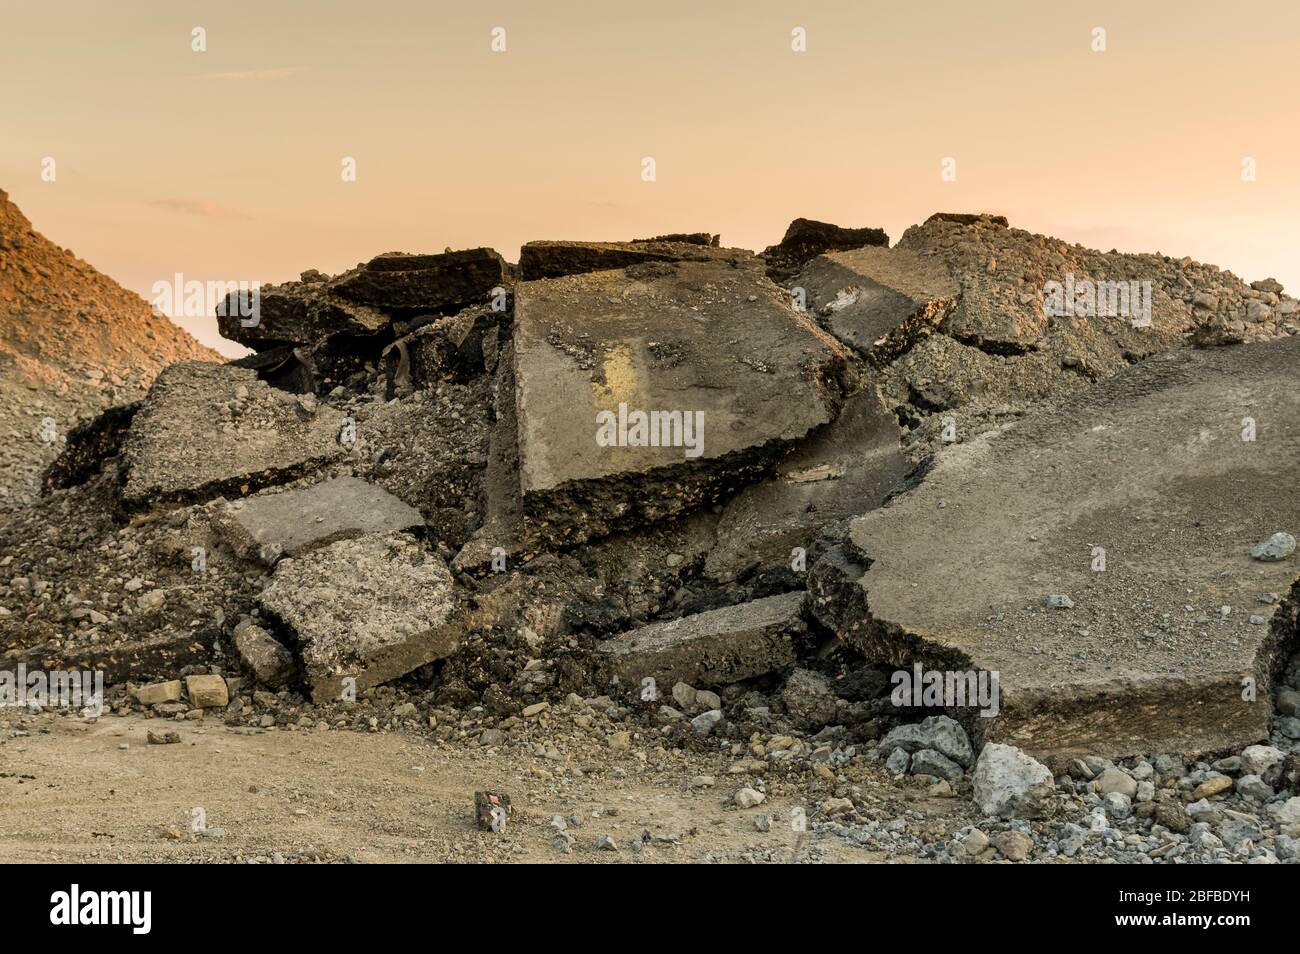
[[748, 798]]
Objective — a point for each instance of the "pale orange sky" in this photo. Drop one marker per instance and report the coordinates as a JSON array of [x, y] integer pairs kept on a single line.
[[226, 164]]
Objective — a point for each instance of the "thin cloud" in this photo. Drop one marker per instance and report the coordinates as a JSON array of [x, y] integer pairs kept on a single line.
[[282, 72], [199, 207]]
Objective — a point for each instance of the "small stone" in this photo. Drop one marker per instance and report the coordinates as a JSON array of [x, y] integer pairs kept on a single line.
[[1211, 787], [1116, 780], [1058, 601], [836, 806], [1117, 805], [150, 601], [763, 822], [748, 798], [157, 692], [1014, 845], [707, 700], [684, 695], [207, 692], [537, 708], [1254, 788], [898, 761], [1010, 784], [974, 844], [605, 843], [930, 762], [162, 738], [1277, 547], [705, 722]]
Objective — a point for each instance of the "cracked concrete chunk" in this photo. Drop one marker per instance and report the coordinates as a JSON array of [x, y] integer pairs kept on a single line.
[[726, 374], [368, 609], [847, 467], [1151, 468], [708, 649], [208, 429], [557, 259], [879, 300], [431, 282], [270, 526]]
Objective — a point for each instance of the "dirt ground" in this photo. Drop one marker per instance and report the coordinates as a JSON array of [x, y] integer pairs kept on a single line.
[[69, 792]]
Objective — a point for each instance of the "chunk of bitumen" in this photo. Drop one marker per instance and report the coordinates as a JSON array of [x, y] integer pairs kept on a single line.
[[364, 611], [646, 392], [878, 300], [713, 648], [295, 313], [844, 469], [427, 282], [557, 259], [966, 581], [208, 429], [269, 526]]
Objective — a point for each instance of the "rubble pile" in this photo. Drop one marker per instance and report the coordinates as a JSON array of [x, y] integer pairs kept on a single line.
[[727, 495]]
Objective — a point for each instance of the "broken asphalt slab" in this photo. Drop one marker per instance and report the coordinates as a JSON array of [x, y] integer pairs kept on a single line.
[[844, 469], [805, 239], [426, 282], [295, 313], [364, 611], [208, 429], [646, 392], [714, 648], [274, 525], [549, 259], [1161, 649]]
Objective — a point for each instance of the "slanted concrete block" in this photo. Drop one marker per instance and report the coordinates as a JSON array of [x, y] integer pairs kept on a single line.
[[207, 429], [557, 259], [430, 282], [878, 300], [650, 391], [708, 649], [364, 611], [844, 469], [805, 239], [270, 526], [1150, 467]]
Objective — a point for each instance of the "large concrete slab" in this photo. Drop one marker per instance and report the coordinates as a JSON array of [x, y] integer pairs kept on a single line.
[[1152, 467], [207, 429], [368, 609], [844, 469], [274, 525], [716, 346], [555, 259], [878, 300], [708, 649]]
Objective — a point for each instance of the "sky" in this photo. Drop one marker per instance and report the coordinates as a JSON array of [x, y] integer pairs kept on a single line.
[[226, 164]]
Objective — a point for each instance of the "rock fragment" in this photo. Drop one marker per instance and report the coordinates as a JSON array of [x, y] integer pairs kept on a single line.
[[424, 282], [805, 239], [557, 259], [270, 661], [1010, 784]]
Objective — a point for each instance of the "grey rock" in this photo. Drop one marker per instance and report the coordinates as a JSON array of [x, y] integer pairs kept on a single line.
[[1010, 784]]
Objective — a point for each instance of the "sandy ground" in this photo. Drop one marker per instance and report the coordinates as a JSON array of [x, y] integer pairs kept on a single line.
[[70, 793]]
